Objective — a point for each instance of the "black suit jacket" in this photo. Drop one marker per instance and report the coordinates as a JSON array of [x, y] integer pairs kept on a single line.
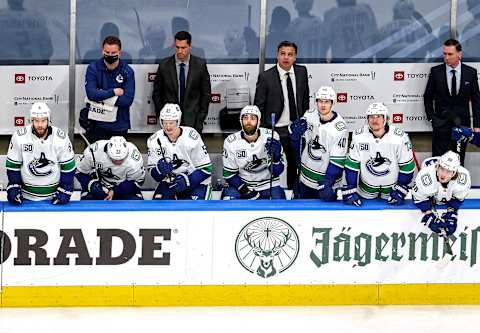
[[269, 96], [197, 90], [445, 110]]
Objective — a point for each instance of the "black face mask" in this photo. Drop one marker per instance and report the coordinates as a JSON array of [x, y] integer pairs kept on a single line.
[[110, 59]]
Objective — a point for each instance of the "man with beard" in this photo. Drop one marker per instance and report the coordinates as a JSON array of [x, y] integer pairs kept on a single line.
[[252, 160], [40, 161]]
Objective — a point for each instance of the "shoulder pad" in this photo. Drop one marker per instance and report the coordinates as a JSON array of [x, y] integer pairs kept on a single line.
[[152, 137]]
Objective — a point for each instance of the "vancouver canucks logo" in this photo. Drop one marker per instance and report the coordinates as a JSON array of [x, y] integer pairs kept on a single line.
[[41, 166], [267, 246], [378, 166], [178, 162], [108, 174], [316, 149], [256, 164]]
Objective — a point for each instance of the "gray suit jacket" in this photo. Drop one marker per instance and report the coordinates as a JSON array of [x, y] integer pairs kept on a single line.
[[197, 90], [269, 96]]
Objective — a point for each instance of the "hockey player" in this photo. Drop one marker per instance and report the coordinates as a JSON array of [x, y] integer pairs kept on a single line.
[[111, 170], [441, 180], [380, 160], [40, 161], [178, 159], [324, 134], [247, 160]]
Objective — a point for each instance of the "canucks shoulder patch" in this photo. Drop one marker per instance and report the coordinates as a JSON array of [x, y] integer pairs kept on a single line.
[[398, 132], [231, 138], [22, 131], [193, 134], [340, 126], [61, 134], [358, 131]]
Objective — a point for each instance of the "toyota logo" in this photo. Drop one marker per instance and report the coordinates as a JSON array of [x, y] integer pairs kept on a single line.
[[397, 118], [399, 76], [342, 97], [20, 78]]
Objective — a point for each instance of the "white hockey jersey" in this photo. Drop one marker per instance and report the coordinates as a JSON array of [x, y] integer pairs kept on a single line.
[[187, 154], [324, 143], [379, 160], [40, 161], [249, 160], [110, 173], [427, 184]]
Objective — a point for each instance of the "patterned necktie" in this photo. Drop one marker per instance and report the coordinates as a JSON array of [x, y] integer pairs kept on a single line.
[[292, 106], [181, 78], [454, 83]]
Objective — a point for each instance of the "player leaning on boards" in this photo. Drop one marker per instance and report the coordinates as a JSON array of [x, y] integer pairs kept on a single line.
[[178, 159], [247, 160], [441, 180], [323, 135], [40, 161], [111, 170], [379, 162]]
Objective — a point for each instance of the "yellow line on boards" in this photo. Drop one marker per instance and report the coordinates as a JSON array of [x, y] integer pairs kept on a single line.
[[240, 295]]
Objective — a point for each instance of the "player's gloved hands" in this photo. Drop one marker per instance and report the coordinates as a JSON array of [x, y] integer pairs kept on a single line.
[[297, 128], [180, 183], [247, 193], [164, 168], [450, 222], [61, 197], [97, 189], [326, 191], [461, 133], [433, 222], [14, 194], [274, 149], [164, 191], [350, 196], [397, 196]]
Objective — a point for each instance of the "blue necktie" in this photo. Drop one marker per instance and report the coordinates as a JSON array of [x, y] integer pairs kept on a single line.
[[182, 84]]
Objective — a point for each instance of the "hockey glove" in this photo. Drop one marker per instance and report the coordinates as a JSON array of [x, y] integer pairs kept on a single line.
[[326, 192], [462, 133], [397, 196], [274, 149], [164, 192], [350, 197], [97, 189], [298, 128], [164, 168], [61, 197], [433, 222], [180, 183], [450, 222], [248, 194], [14, 194]]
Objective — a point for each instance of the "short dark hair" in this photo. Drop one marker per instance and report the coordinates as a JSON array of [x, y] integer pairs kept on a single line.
[[184, 35], [453, 42], [288, 44], [112, 40]]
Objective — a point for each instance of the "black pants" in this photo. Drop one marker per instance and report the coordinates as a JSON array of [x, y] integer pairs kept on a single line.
[[96, 133], [442, 142], [292, 167]]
